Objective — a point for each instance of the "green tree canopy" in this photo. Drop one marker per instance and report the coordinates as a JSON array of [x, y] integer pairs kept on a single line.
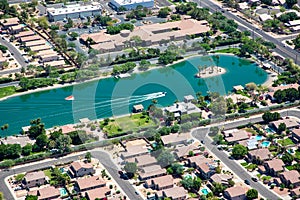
[[239, 151], [252, 194]]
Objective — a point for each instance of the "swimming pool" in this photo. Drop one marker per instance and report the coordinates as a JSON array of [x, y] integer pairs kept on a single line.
[[63, 192], [258, 137], [265, 143], [188, 176], [269, 130], [204, 191]]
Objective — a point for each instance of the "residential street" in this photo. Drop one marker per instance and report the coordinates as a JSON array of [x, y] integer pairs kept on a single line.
[[103, 157], [281, 49], [201, 134]]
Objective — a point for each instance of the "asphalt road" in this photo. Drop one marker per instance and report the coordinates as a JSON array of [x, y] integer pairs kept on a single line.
[[16, 53], [14, 83], [202, 135], [103, 157], [287, 52]]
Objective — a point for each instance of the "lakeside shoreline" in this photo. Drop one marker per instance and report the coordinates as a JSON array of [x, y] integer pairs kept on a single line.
[[136, 71]]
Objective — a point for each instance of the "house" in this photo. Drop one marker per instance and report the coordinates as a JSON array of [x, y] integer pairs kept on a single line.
[[221, 178], [290, 178], [160, 183], [133, 151], [296, 135], [238, 98], [274, 166], [182, 152], [295, 192], [272, 90], [24, 34], [175, 139], [40, 48], [33, 179], [235, 135], [238, 88], [138, 108], [46, 193], [188, 99], [90, 183], [69, 128], [290, 123], [29, 38], [20, 139], [6, 23], [49, 56], [152, 172], [175, 193], [79, 168], [205, 166], [182, 108], [16, 29], [55, 63], [98, 193], [235, 193], [143, 160], [35, 43], [259, 155]]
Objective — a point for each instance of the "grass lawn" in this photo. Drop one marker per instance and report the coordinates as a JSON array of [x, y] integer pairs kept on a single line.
[[6, 91], [297, 154], [251, 166], [48, 173], [244, 164], [228, 50], [127, 123], [290, 167], [286, 142], [250, 130]]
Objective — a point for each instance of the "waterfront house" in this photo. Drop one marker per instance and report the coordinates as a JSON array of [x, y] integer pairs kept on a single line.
[[20, 139], [272, 90], [85, 184], [98, 193], [182, 108], [221, 178], [160, 183], [175, 139], [235, 193], [152, 171], [79, 168], [274, 166], [259, 155], [175, 193], [188, 99], [290, 178], [33, 179], [46, 193], [237, 88], [138, 108]]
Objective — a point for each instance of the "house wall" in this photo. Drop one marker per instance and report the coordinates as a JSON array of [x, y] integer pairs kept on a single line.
[[36, 182]]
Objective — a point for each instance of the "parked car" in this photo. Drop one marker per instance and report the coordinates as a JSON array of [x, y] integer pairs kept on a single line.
[[254, 179], [247, 182]]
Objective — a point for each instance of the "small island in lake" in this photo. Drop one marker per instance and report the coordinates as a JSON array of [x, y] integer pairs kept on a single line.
[[207, 72]]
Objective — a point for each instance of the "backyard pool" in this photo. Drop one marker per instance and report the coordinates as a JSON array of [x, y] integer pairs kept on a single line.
[[63, 192], [269, 130], [265, 143], [258, 137], [204, 191]]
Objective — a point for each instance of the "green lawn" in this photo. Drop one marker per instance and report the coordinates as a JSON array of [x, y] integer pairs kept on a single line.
[[228, 50], [251, 166], [250, 130], [6, 91], [127, 123], [286, 142], [290, 167], [244, 164], [297, 154], [48, 173]]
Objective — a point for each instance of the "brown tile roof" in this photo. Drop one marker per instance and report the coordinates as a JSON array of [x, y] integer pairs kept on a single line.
[[175, 138], [78, 165], [235, 191], [30, 38], [135, 150], [221, 178], [145, 160], [291, 122], [184, 150], [34, 176], [175, 192], [161, 181], [99, 193], [296, 191], [296, 132], [198, 160], [293, 176], [93, 181], [48, 192], [237, 136], [9, 21], [275, 164], [262, 154], [152, 171]]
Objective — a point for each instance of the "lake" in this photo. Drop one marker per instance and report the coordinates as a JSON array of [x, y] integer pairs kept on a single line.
[[112, 97]]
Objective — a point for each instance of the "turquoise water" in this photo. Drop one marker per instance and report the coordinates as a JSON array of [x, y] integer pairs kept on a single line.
[[258, 137], [112, 97], [269, 130], [265, 143], [204, 191], [63, 192]]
